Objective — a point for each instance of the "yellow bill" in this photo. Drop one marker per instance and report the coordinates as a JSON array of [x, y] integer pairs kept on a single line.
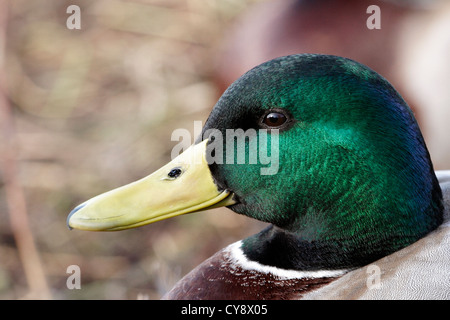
[[184, 185]]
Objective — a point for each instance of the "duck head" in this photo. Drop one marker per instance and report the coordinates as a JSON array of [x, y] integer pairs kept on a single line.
[[349, 180]]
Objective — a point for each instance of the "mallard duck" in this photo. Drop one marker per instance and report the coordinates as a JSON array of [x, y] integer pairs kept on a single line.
[[351, 185]]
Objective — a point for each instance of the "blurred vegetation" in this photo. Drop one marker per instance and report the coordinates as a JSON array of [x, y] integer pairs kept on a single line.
[[93, 109]]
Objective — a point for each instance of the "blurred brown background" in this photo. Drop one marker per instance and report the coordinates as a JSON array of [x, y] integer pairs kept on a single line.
[[84, 111]]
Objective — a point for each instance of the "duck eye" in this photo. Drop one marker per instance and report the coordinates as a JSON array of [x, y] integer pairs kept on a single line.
[[274, 119]]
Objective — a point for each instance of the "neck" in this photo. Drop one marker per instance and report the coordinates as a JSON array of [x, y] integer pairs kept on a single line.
[[282, 249], [355, 234]]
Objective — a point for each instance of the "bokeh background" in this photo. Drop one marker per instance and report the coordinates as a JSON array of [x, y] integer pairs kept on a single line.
[[84, 111]]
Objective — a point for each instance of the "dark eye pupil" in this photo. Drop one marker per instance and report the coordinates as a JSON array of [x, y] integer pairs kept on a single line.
[[175, 172], [274, 119]]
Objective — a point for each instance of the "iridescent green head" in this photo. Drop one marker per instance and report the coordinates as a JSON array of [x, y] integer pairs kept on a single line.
[[354, 171]]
